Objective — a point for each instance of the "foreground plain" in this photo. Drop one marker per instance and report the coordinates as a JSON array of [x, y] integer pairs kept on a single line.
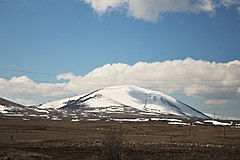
[[65, 140]]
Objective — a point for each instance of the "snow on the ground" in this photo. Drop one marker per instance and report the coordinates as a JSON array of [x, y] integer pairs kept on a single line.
[[14, 115], [56, 118], [221, 117], [130, 120], [41, 110], [166, 119], [93, 120], [26, 119], [179, 123], [32, 115], [75, 117], [198, 122], [3, 108], [75, 120], [217, 123]]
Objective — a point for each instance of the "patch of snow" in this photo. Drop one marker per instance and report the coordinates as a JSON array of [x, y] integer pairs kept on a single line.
[[4, 112], [25, 119], [131, 120], [14, 115], [3, 108], [93, 119], [43, 116], [217, 123], [32, 115], [166, 119], [56, 119], [198, 122], [179, 123], [75, 120], [65, 116], [41, 110], [75, 117]]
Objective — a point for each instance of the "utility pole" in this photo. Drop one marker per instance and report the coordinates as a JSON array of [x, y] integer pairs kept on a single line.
[[224, 132], [195, 135], [190, 130], [219, 131]]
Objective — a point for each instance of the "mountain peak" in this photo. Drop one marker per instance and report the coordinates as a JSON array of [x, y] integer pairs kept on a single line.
[[127, 100]]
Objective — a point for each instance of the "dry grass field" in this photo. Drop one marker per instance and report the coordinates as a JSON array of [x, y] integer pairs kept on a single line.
[[65, 140]]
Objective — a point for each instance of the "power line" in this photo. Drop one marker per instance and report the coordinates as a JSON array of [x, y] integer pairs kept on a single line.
[[29, 72], [33, 79], [147, 80]]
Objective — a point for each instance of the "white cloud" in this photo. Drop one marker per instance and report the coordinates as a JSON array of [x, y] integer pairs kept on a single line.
[[229, 3], [198, 78], [24, 90], [205, 6], [151, 10], [216, 102], [102, 6]]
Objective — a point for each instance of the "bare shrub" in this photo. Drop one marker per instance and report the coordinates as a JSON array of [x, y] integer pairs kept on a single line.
[[112, 146]]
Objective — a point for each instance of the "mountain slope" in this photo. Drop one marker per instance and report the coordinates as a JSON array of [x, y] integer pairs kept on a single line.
[[7, 106], [7, 103], [127, 99]]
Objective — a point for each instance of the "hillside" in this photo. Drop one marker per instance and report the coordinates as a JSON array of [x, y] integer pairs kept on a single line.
[[8, 103], [127, 99]]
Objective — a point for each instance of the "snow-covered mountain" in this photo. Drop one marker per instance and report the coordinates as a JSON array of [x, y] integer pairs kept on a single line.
[[12, 109], [126, 99]]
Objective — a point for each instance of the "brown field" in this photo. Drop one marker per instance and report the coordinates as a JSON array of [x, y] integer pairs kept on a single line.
[[65, 140]]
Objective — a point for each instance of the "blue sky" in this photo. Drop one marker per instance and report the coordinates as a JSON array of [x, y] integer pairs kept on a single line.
[[66, 30], [78, 36]]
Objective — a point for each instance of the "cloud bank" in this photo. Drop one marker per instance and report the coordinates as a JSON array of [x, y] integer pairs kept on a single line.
[[151, 10], [216, 83]]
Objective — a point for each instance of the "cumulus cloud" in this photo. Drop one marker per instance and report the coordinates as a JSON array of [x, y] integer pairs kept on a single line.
[[24, 90], [151, 10], [198, 78]]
